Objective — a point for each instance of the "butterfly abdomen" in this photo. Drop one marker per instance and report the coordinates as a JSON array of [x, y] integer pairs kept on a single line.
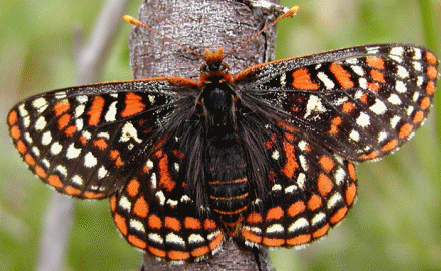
[[228, 185], [226, 164]]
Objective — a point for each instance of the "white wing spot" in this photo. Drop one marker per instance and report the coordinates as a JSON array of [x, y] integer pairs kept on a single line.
[[40, 104], [102, 172], [418, 54], [275, 228], [76, 179], [22, 110], [79, 123], [137, 225], [372, 50], [90, 160], [300, 223], [325, 79], [301, 179], [417, 66], [82, 99], [62, 170], [172, 238], [125, 203], [420, 81], [195, 238], [28, 138], [72, 152], [339, 176], [156, 238], [46, 163], [362, 82], [363, 120], [416, 96], [314, 105], [400, 86], [282, 79], [354, 135], [409, 110], [161, 197], [275, 155], [358, 70], [318, 218], [60, 95], [378, 107], [303, 145], [40, 124], [185, 198], [398, 51], [394, 99], [381, 136], [172, 202], [111, 112], [352, 60], [290, 189], [79, 110], [128, 132], [303, 162], [56, 148], [36, 151], [394, 121], [333, 200], [276, 187], [402, 72]]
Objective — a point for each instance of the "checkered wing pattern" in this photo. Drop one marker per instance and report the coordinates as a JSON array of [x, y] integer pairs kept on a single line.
[[163, 209], [85, 141], [351, 104], [264, 157], [361, 102]]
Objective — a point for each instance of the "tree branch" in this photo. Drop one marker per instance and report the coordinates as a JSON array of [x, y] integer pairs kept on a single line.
[[206, 24]]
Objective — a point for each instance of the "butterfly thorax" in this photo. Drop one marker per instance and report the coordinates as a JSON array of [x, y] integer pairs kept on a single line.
[[225, 160]]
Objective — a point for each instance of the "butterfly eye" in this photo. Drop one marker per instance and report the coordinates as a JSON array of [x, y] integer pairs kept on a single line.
[[224, 67], [203, 69]]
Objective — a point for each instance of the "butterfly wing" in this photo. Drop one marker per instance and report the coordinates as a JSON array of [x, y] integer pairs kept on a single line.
[[317, 114], [157, 212], [124, 140], [362, 102], [85, 141]]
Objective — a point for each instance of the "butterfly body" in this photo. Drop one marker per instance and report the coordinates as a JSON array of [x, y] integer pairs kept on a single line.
[[263, 156]]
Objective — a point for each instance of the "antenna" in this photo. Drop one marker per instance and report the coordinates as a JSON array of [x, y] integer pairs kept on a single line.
[[291, 12], [136, 22]]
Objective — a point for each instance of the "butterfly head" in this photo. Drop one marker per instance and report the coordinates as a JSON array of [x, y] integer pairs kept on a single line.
[[214, 69]]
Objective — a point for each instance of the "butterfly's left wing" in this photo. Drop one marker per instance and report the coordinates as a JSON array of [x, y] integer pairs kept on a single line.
[[317, 114], [362, 102]]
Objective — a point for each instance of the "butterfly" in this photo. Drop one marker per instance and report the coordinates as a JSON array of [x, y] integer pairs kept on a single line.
[[264, 156]]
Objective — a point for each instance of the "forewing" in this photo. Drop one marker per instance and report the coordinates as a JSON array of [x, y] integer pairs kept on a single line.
[[86, 141], [361, 102]]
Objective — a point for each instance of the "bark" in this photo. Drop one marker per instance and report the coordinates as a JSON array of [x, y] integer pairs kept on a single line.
[[202, 24]]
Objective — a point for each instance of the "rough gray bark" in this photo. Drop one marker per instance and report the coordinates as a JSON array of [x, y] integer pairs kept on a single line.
[[202, 24]]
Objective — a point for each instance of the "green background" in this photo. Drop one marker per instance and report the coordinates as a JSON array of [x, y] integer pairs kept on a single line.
[[395, 224]]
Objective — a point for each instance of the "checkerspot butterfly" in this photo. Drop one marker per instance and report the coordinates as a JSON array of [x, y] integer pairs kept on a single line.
[[264, 156]]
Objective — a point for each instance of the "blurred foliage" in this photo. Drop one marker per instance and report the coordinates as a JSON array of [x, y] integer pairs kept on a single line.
[[396, 223]]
